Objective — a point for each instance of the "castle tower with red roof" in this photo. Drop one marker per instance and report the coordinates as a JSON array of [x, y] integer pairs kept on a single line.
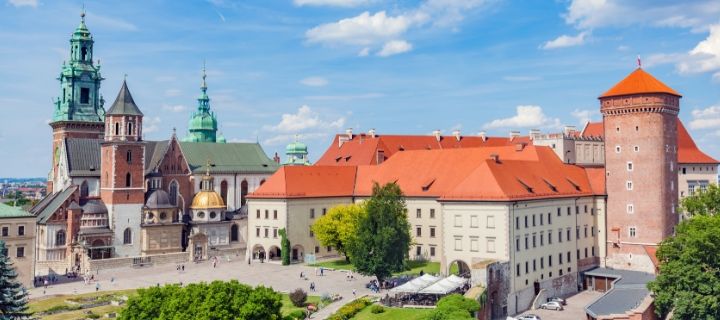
[[641, 154]]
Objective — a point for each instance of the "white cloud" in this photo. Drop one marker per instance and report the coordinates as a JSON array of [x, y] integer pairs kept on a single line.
[[526, 116], [172, 92], [336, 3], [522, 78], [363, 30], [287, 138], [174, 108], [708, 118], [151, 124], [364, 52], [305, 119], [23, 3], [584, 116], [705, 56], [566, 41], [314, 81], [394, 47]]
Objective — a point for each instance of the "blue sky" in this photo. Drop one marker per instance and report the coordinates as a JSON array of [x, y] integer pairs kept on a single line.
[[316, 67]]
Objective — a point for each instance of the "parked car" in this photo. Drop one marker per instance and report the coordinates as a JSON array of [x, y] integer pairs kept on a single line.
[[558, 299], [529, 317], [552, 305]]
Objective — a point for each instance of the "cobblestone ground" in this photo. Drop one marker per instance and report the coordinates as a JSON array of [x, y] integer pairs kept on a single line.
[[280, 278]]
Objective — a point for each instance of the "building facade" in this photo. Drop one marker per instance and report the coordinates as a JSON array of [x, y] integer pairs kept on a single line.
[[17, 230]]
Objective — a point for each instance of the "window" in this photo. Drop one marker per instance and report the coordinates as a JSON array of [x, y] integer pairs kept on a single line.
[[542, 217], [275, 230], [418, 232], [201, 214], [577, 232], [558, 212], [491, 245], [517, 223], [324, 211], [128, 180], [560, 235], [432, 214], [127, 236], [534, 265], [234, 232], [418, 251], [549, 218], [418, 213], [20, 252], [526, 221], [586, 253], [21, 230], [59, 237], [593, 250], [577, 256], [569, 258], [458, 221], [312, 234], [213, 214], [585, 210], [527, 242], [474, 244], [629, 166], [550, 261], [527, 267], [258, 213], [317, 249], [129, 130], [534, 237], [629, 185], [560, 261], [517, 270], [84, 95], [586, 234], [542, 239], [636, 148], [617, 149], [533, 220], [542, 263], [432, 251], [458, 244], [432, 232], [312, 213], [267, 232], [630, 208], [275, 214], [257, 232], [549, 236], [569, 211], [174, 193], [577, 209], [592, 231], [632, 232], [684, 170], [6, 232], [267, 214], [568, 234], [117, 128]]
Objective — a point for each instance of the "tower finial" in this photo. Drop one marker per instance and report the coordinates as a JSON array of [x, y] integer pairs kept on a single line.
[[639, 62], [125, 77], [204, 84], [82, 13], [207, 167]]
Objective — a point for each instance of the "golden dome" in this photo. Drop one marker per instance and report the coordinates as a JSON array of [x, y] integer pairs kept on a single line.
[[207, 199]]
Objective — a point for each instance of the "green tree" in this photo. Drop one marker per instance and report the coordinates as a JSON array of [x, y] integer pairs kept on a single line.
[[337, 227], [13, 297], [382, 238], [284, 247], [702, 202], [689, 278], [217, 300], [454, 307]]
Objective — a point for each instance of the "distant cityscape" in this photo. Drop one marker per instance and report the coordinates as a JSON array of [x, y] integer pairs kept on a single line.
[[29, 188]]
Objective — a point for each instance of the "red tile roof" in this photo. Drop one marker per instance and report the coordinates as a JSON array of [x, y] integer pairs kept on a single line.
[[688, 151], [364, 149], [459, 174], [596, 176], [636, 82]]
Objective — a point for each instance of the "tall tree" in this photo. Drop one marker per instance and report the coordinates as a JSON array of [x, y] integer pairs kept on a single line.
[[13, 297], [337, 227], [382, 238], [284, 247], [702, 202], [689, 278]]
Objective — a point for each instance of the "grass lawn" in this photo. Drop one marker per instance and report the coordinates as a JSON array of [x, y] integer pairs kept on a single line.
[[289, 307], [42, 304], [393, 313], [415, 266]]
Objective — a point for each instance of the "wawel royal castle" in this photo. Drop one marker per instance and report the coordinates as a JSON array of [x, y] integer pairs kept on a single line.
[[546, 214]]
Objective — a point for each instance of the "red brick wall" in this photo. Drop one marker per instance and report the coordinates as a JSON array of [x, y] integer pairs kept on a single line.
[[173, 167], [114, 167], [62, 130], [649, 122]]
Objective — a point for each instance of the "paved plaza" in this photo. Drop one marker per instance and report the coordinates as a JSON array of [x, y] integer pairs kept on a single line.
[[574, 310], [281, 278]]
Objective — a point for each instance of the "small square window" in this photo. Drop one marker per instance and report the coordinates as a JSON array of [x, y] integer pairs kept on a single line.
[[617, 149], [632, 232], [629, 185], [629, 166], [636, 148], [630, 208]]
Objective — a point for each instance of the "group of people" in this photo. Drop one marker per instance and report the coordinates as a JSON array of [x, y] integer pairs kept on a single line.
[[180, 267]]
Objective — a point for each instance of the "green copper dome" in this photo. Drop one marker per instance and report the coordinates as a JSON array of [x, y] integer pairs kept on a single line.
[[297, 154], [202, 126], [296, 147]]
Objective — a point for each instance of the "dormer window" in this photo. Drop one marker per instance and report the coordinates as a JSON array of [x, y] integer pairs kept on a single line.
[[84, 95], [83, 54]]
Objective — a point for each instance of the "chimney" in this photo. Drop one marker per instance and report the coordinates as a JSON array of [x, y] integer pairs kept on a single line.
[[348, 131], [519, 146], [534, 133], [482, 136], [495, 157], [514, 134], [371, 133], [456, 133], [569, 130], [436, 133]]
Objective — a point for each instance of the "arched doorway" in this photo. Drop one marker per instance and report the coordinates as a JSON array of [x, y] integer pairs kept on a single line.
[[258, 252], [274, 253], [224, 191], [234, 233], [297, 254], [198, 245], [459, 268]]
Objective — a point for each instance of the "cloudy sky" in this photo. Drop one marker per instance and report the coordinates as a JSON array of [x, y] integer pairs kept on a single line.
[[315, 67]]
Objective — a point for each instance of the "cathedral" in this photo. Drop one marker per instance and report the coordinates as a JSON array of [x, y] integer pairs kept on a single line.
[[116, 199]]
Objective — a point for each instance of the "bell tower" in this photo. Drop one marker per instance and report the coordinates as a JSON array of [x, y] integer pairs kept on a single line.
[[203, 123], [122, 169], [640, 120], [78, 111]]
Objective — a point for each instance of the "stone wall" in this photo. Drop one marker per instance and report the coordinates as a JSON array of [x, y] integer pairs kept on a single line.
[[105, 264]]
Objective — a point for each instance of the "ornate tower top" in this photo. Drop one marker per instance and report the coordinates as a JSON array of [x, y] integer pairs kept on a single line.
[[80, 79], [639, 92], [203, 123], [297, 154]]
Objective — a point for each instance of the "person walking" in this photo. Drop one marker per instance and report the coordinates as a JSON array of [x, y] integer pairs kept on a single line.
[[354, 293], [97, 286]]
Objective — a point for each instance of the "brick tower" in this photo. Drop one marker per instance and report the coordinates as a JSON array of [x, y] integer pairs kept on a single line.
[[122, 172], [79, 110], [640, 120]]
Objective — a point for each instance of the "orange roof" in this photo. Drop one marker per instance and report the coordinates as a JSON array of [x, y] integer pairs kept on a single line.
[[596, 176], [688, 151], [593, 129], [449, 174], [308, 182], [639, 81], [364, 149]]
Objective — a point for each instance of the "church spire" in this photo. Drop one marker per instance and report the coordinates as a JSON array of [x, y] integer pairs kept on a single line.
[[203, 123]]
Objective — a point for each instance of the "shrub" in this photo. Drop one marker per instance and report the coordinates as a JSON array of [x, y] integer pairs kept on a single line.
[[377, 309], [295, 315], [298, 297], [325, 297], [349, 310]]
